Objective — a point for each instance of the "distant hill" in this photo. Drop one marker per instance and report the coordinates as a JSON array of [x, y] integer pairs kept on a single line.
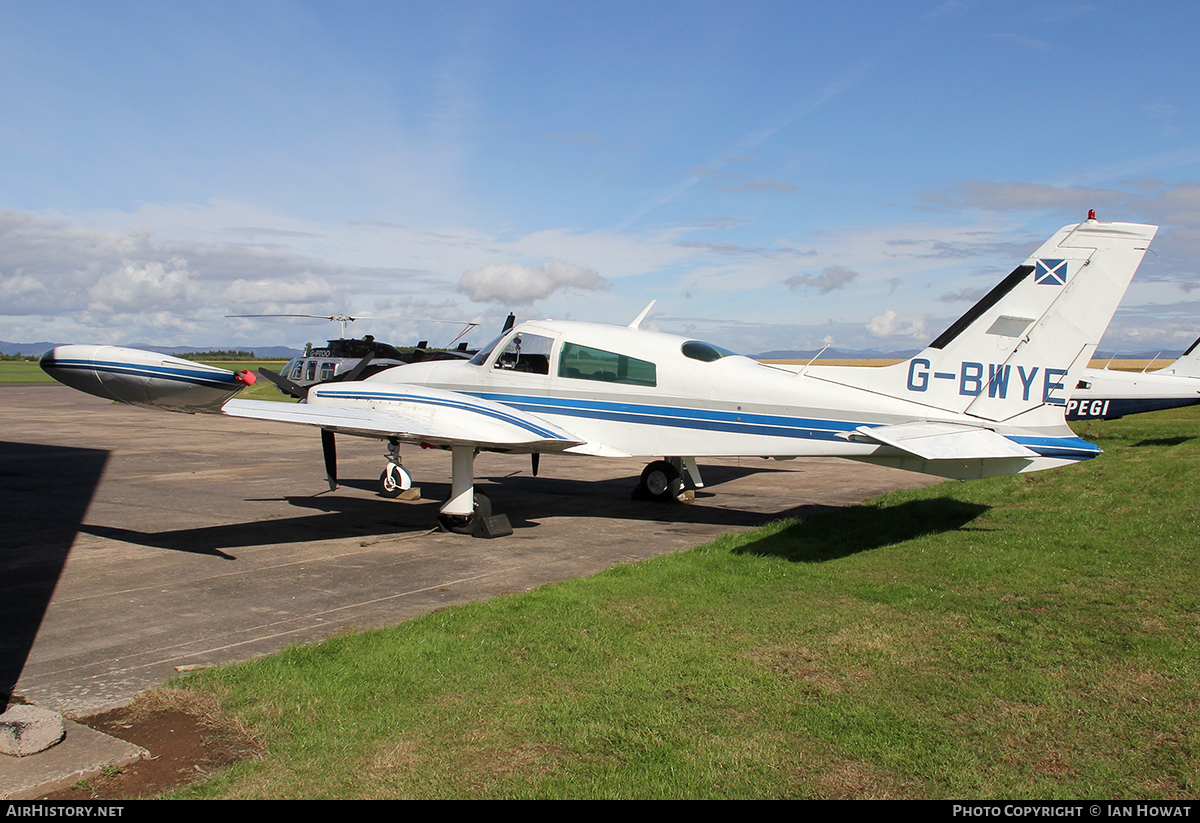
[[270, 352], [24, 348], [875, 354], [834, 354]]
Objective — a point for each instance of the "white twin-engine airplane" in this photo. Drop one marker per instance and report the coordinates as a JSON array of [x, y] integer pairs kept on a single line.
[[987, 397], [1105, 394]]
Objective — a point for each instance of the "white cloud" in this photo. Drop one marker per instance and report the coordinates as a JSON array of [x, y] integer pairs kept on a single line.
[[891, 324], [514, 283], [143, 287], [831, 277]]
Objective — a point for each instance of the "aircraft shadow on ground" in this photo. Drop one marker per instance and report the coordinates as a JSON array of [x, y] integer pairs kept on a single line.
[[520, 497], [1162, 441], [45, 492], [843, 531], [341, 517]]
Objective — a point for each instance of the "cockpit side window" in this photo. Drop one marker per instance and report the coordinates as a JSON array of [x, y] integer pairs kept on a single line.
[[528, 353], [585, 363], [705, 352]]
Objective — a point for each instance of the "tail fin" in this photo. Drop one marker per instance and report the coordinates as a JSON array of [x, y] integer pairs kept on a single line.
[[1020, 349], [1188, 364]]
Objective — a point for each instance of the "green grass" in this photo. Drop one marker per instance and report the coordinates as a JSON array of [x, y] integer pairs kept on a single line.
[[23, 371], [1032, 636]]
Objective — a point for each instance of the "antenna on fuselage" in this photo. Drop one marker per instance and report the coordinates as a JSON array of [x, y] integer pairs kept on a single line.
[[637, 321], [814, 360]]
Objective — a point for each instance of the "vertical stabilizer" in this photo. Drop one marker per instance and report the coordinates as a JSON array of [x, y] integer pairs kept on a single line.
[[1020, 349], [1188, 364]]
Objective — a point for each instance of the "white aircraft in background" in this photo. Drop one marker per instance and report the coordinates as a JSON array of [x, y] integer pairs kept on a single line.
[[987, 397], [1105, 394]]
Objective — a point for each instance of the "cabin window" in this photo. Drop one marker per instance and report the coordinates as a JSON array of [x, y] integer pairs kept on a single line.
[[706, 352], [327, 370], [528, 353], [310, 372], [297, 369], [584, 363]]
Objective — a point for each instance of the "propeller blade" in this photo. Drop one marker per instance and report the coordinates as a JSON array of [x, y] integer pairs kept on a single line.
[[284, 384], [357, 370], [537, 458], [329, 447], [509, 322]]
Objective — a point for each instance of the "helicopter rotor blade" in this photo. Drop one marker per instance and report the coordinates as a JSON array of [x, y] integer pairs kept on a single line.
[[358, 369]]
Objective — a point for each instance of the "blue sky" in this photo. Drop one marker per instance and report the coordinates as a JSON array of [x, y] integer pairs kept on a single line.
[[775, 175]]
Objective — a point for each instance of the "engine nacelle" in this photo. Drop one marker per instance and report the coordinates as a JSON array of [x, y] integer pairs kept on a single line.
[[143, 378]]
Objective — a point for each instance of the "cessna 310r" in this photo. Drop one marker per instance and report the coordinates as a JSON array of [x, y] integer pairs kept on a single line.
[[987, 397], [1106, 394]]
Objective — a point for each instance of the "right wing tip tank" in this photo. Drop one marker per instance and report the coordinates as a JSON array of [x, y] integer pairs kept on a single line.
[[142, 378]]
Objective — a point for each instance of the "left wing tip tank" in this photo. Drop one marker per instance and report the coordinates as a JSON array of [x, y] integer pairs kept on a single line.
[[143, 378]]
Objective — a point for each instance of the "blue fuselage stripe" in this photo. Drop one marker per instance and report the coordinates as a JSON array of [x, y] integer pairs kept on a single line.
[[205, 378], [742, 423], [698, 419]]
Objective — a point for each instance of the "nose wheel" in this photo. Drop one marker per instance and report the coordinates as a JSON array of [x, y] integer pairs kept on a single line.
[[394, 481]]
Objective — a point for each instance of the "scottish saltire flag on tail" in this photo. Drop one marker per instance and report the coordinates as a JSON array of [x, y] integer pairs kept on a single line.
[[1051, 272]]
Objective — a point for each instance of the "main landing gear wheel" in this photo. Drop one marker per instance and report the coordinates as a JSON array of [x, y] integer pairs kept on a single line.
[[660, 481], [459, 524], [394, 481]]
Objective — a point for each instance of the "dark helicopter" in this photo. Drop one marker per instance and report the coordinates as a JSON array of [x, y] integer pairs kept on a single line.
[[353, 358]]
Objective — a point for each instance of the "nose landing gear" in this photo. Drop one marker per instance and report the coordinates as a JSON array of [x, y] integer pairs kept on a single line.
[[395, 479]]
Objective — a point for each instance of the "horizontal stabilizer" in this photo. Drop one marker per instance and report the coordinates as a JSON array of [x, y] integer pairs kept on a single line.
[[942, 441]]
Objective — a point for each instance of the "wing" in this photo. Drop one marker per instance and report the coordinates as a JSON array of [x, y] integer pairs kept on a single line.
[[414, 414]]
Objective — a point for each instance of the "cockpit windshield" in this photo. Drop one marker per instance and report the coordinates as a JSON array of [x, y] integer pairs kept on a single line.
[[706, 352], [481, 356]]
